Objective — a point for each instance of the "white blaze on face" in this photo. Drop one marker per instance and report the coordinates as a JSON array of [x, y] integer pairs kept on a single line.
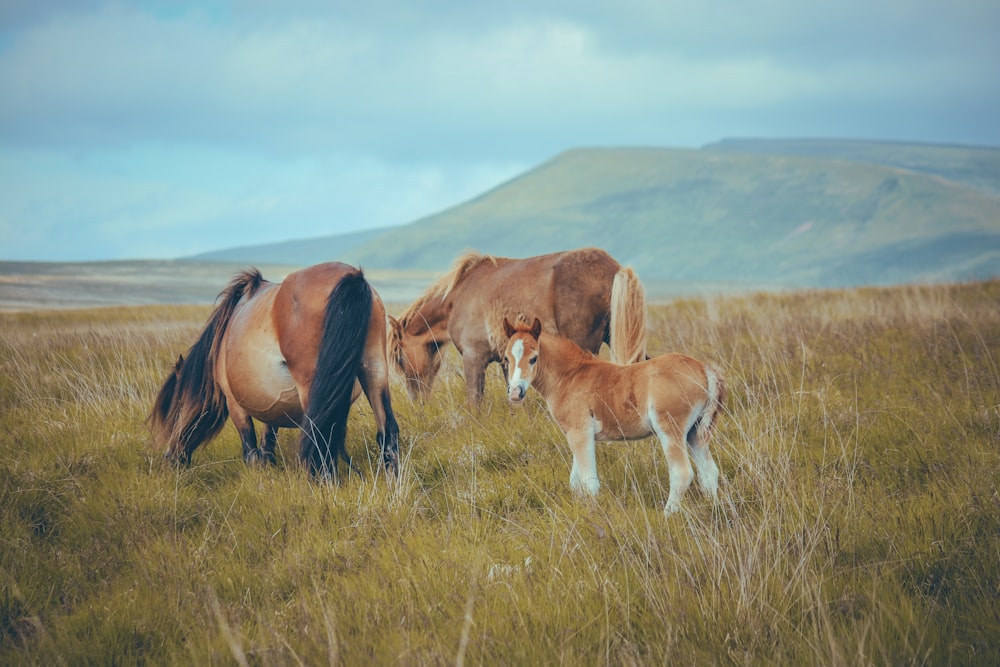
[[516, 386]]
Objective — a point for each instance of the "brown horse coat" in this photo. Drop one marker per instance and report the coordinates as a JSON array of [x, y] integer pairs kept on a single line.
[[584, 295], [672, 396], [290, 354]]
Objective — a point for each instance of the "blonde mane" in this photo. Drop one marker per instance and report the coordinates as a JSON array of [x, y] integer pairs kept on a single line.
[[446, 283]]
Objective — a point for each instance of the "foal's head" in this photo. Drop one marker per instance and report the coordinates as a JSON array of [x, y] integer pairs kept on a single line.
[[416, 357], [521, 357]]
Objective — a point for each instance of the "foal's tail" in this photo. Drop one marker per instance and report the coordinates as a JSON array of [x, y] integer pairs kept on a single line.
[[345, 329], [716, 391], [190, 408], [627, 329]]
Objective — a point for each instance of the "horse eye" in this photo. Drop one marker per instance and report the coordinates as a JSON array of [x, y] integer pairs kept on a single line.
[[532, 360]]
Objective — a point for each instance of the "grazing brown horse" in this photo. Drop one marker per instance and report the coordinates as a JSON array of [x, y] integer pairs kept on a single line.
[[290, 354], [672, 396], [584, 295]]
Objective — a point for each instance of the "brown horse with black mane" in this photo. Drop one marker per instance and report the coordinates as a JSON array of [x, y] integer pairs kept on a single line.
[[290, 354], [584, 295]]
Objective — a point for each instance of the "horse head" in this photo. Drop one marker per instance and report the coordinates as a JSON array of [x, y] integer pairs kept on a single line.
[[521, 356], [416, 357]]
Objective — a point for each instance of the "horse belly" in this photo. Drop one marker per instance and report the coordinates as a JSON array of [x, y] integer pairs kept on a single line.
[[620, 415], [273, 398], [257, 374], [621, 427]]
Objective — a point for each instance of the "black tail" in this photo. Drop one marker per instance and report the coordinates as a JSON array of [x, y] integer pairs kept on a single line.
[[345, 329], [190, 407]]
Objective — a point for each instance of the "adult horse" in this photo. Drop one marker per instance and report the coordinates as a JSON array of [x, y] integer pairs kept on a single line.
[[674, 397], [290, 354], [583, 294]]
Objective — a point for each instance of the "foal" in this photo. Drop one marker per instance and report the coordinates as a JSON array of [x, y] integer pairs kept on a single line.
[[672, 396]]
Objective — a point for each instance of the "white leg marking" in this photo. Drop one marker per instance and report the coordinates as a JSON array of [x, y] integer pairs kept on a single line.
[[583, 478], [708, 471], [681, 473]]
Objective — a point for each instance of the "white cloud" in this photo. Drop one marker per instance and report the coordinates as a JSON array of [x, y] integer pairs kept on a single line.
[[250, 121]]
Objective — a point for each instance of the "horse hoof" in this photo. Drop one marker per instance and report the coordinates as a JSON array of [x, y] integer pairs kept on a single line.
[[391, 464], [177, 460]]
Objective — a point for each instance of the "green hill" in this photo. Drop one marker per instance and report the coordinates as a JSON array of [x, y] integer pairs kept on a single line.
[[976, 167], [795, 213]]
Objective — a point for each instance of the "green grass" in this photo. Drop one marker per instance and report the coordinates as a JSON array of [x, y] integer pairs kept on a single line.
[[859, 522]]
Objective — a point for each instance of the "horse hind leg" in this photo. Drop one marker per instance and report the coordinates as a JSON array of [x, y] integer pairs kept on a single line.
[[373, 376], [678, 464], [388, 435], [321, 453], [701, 455], [377, 392]]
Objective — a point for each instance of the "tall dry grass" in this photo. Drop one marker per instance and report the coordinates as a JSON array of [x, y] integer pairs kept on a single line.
[[859, 520]]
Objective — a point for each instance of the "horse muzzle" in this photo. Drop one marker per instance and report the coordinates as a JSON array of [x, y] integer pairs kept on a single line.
[[516, 393]]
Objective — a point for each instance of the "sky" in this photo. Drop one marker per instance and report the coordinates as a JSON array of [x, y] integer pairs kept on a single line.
[[162, 129]]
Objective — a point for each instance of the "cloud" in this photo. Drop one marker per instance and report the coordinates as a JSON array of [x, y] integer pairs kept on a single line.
[[164, 128], [308, 81]]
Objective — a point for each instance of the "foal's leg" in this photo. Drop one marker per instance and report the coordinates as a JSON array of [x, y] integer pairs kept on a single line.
[[678, 463], [708, 471], [583, 477]]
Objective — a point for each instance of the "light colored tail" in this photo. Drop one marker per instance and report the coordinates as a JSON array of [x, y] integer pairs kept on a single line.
[[627, 330], [716, 398]]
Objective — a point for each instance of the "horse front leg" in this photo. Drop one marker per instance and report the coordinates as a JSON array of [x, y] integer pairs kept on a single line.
[[583, 478], [248, 435], [474, 368], [270, 443]]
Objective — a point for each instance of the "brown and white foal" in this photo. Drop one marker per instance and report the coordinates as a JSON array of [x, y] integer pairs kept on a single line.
[[672, 396]]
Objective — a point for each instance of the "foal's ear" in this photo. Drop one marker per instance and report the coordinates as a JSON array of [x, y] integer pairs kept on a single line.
[[536, 328], [508, 328]]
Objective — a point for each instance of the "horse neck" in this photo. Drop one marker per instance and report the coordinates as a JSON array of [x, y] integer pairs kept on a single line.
[[431, 317], [559, 359]]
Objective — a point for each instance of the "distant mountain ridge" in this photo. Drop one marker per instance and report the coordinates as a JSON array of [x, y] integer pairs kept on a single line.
[[809, 213], [292, 252]]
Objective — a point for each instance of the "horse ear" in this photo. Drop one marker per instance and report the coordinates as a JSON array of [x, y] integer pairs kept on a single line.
[[180, 362], [536, 328], [508, 328]]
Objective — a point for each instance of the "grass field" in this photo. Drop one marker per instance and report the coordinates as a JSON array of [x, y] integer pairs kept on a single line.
[[859, 520]]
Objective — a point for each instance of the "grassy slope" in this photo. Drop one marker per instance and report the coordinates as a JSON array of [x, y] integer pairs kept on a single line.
[[710, 215], [860, 520], [975, 167]]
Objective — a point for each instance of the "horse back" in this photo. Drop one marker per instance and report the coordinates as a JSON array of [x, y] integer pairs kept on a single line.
[[623, 398], [570, 292]]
